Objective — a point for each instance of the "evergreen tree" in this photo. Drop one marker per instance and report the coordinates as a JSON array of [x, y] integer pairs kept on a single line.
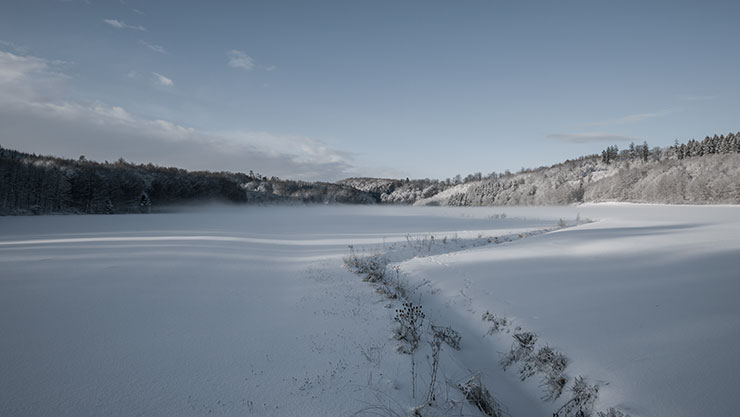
[[644, 152], [145, 203]]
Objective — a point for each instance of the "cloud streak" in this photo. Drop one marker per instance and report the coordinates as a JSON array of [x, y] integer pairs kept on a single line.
[[632, 118], [162, 80], [694, 97], [592, 137], [154, 47], [14, 68], [14, 46], [119, 24], [239, 59]]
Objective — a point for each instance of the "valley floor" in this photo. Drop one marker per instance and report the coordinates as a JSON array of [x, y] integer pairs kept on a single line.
[[239, 311]]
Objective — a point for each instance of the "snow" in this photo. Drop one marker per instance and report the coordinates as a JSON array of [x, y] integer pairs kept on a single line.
[[239, 311], [643, 302]]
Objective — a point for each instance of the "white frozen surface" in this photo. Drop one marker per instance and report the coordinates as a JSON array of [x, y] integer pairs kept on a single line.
[[223, 312], [644, 302], [245, 311]]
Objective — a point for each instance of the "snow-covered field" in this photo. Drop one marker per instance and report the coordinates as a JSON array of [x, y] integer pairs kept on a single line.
[[250, 311]]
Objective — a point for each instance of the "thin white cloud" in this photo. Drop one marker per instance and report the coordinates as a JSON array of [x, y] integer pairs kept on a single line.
[[62, 63], [25, 78], [239, 59], [38, 119], [303, 149], [592, 137], [115, 23], [14, 46], [632, 118], [695, 97], [132, 74], [162, 80], [154, 47], [14, 68], [122, 25], [139, 12]]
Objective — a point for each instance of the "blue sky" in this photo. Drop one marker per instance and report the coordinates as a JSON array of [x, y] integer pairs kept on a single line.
[[327, 90]]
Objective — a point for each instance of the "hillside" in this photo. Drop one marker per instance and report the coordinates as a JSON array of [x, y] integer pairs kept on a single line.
[[698, 172], [394, 191], [708, 179], [33, 184]]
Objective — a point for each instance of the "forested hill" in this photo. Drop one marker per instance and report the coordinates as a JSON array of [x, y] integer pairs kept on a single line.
[[32, 184], [697, 172], [393, 191]]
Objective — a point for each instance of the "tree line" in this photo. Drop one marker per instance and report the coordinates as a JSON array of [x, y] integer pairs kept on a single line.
[[710, 145], [35, 184], [698, 172]]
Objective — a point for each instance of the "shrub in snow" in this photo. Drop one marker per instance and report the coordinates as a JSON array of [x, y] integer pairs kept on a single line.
[[371, 266], [477, 394], [374, 269], [391, 284], [581, 403], [421, 243], [410, 319], [383, 405], [441, 335], [521, 348], [545, 360], [436, 345], [551, 364], [373, 353], [447, 335], [553, 384], [612, 412], [497, 323]]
